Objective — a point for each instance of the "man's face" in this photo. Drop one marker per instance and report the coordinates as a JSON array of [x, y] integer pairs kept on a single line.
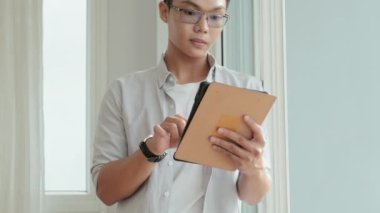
[[194, 39]]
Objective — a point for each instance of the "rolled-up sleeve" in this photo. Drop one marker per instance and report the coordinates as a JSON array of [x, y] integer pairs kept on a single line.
[[110, 142]]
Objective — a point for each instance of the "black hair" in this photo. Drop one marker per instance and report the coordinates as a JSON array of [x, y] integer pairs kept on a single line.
[[169, 2]]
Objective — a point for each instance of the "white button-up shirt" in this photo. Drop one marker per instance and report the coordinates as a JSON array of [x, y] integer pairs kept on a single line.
[[131, 107]]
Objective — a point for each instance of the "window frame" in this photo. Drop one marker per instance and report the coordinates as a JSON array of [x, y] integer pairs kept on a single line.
[[96, 69], [270, 66], [270, 58]]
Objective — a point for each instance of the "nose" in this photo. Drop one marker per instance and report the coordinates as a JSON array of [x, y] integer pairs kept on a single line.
[[202, 25]]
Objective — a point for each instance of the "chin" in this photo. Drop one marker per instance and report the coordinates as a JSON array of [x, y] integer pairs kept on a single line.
[[197, 53]]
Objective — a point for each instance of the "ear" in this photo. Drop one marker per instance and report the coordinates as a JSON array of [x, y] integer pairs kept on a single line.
[[164, 11]]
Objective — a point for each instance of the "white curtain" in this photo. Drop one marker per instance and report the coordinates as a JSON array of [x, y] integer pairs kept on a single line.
[[21, 144]]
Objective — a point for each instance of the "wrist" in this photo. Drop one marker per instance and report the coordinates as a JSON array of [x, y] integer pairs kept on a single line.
[[257, 169], [153, 146], [148, 153]]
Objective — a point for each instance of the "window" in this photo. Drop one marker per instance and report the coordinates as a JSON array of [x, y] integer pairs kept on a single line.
[[238, 37], [238, 47], [71, 97], [65, 84], [254, 43]]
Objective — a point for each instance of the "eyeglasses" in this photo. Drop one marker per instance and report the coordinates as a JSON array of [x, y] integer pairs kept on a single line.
[[194, 16]]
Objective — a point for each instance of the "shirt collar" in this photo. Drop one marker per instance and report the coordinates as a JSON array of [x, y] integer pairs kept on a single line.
[[167, 79], [163, 73]]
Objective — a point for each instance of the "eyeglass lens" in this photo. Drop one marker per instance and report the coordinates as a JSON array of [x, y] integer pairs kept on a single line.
[[193, 17]]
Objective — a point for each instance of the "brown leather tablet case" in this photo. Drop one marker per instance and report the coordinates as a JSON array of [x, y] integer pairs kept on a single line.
[[219, 105]]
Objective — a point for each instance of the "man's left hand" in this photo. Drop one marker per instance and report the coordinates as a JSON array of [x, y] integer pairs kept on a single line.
[[245, 153]]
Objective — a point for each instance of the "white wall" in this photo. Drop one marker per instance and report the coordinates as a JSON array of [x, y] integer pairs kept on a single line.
[[333, 51], [132, 36]]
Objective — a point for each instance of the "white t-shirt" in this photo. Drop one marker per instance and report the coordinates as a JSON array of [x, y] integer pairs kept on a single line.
[[190, 200]]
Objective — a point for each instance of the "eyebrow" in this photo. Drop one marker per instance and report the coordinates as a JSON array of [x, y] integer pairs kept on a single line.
[[189, 2]]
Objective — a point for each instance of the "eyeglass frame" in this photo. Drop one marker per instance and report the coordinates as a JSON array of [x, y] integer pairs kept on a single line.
[[181, 10]]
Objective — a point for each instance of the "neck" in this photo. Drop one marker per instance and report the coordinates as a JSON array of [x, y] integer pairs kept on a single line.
[[187, 69]]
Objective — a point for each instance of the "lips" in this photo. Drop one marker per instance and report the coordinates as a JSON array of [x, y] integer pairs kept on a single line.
[[198, 42]]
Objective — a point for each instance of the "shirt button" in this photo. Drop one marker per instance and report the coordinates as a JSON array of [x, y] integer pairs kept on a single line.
[[170, 163], [166, 194]]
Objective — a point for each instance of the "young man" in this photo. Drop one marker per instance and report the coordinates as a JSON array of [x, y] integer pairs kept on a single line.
[[140, 174]]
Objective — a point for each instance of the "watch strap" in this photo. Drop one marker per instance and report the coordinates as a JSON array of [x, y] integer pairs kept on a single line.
[[151, 157]]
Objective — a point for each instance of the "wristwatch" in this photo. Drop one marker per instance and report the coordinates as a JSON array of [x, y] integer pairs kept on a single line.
[[150, 156]]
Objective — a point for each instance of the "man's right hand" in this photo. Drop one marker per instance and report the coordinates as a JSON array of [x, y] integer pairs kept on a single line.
[[167, 134]]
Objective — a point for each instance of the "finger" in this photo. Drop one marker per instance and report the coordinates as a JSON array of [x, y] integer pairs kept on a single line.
[[180, 117], [172, 129], [256, 129], [237, 160], [236, 137], [223, 151], [160, 132], [229, 147], [257, 149], [180, 122], [160, 141]]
